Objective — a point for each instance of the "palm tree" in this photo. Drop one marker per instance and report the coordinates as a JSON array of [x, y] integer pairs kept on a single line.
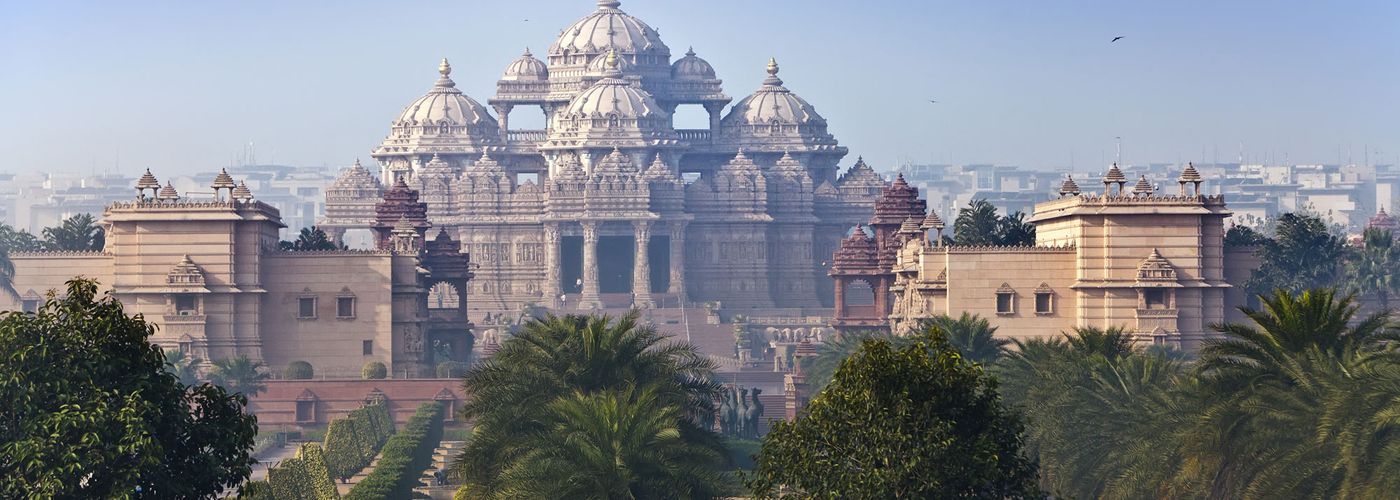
[[972, 335], [7, 275], [1113, 342], [77, 233], [183, 367], [836, 349], [613, 444], [558, 357], [977, 224], [1375, 267], [240, 375]]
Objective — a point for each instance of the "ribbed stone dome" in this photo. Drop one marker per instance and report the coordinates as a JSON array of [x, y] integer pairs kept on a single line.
[[771, 104], [445, 105], [692, 67], [614, 97], [526, 69], [608, 27]]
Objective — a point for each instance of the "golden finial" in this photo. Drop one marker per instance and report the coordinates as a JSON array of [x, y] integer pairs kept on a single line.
[[772, 67], [611, 61], [444, 67]]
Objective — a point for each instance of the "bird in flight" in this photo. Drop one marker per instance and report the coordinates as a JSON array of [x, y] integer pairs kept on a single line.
[[1116, 38], [933, 101]]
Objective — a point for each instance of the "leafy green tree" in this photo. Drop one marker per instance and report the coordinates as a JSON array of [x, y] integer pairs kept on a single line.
[[77, 233], [310, 238], [971, 335], [1303, 254], [913, 422], [1244, 236], [12, 240], [1375, 267], [374, 370], [561, 357], [1014, 231], [299, 370], [90, 410], [835, 349], [622, 443], [240, 375], [977, 224], [182, 367]]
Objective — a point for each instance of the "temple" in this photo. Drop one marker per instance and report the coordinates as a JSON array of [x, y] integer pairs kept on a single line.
[[1153, 263], [609, 205]]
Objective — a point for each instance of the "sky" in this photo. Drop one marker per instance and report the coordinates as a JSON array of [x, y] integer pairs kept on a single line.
[[184, 86]]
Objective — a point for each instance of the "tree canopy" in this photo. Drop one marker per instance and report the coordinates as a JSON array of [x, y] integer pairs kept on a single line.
[[1302, 254], [918, 421], [77, 233], [979, 224], [310, 238], [91, 412]]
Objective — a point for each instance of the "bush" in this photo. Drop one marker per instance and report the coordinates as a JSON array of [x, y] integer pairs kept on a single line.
[[298, 370], [404, 458], [451, 369], [352, 442], [303, 477], [255, 490], [374, 370], [317, 477]]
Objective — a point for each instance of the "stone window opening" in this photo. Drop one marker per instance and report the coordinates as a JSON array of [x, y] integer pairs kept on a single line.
[[367, 347], [1156, 298], [345, 307], [29, 302], [306, 305], [186, 304], [1044, 300], [1006, 300]]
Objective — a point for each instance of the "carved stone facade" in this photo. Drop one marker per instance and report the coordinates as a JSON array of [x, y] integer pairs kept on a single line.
[[1155, 264], [210, 275], [610, 205]]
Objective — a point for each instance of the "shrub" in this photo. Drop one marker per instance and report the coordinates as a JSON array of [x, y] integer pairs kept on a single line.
[[298, 370], [374, 370], [352, 442], [404, 458], [255, 490], [318, 478], [288, 479], [451, 369], [303, 477]]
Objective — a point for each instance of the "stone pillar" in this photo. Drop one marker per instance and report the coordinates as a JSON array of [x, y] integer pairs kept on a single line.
[[589, 298], [503, 112], [641, 267], [840, 299], [678, 260], [552, 243], [715, 110]]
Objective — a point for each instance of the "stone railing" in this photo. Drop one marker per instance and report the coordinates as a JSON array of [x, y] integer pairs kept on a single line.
[[1006, 249], [525, 136], [694, 135]]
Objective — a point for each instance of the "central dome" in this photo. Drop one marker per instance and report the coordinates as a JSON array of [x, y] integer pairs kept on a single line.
[[608, 27]]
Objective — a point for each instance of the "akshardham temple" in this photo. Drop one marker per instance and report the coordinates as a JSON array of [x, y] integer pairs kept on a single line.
[[610, 205]]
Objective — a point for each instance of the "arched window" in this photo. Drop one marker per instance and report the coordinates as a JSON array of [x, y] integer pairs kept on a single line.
[[613, 121]]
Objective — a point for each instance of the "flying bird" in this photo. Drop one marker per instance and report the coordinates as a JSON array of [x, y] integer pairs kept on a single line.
[[1116, 38], [933, 101]]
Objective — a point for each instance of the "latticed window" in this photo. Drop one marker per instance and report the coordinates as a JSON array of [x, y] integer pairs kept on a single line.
[[306, 307]]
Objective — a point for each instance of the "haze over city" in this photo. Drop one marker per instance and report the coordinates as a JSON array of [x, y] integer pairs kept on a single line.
[[186, 86]]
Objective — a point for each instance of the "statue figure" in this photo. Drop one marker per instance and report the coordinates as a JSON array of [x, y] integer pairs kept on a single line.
[[755, 412], [727, 413], [442, 351], [742, 429], [412, 341]]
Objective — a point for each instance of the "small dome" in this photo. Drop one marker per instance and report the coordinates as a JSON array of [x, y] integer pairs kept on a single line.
[[932, 221], [445, 105], [242, 192], [148, 181], [526, 68], [223, 180], [1069, 187], [599, 64], [691, 67], [609, 27], [614, 97], [772, 104], [168, 193], [658, 170], [1143, 187], [1190, 174], [1114, 175]]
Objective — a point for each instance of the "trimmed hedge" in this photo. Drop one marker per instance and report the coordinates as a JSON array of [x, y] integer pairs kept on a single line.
[[255, 490], [404, 458], [451, 369], [303, 477], [353, 441], [298, 370], [374, 370]]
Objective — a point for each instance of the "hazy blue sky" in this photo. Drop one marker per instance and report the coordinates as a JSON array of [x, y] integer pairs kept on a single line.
[[183, 85]]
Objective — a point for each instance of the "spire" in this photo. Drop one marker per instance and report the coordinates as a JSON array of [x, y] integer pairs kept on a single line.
[[690, 51], [610, 65], [445, 69], [932, 221], [242, 193], [772, 80], [527, 52], [1069, 187], [168, 193], [1143, 187]]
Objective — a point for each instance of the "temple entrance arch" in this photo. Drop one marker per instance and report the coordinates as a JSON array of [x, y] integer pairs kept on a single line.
[[615, 261], [859, 293], [571, 264]]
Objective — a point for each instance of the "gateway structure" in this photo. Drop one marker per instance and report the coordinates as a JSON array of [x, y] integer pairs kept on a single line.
[[610, 205]]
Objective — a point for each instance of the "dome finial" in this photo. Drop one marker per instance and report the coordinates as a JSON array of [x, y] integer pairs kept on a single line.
[[690, 51], [445, 68], [772, 66], [609, 4], [527, 52], [611, 61]]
